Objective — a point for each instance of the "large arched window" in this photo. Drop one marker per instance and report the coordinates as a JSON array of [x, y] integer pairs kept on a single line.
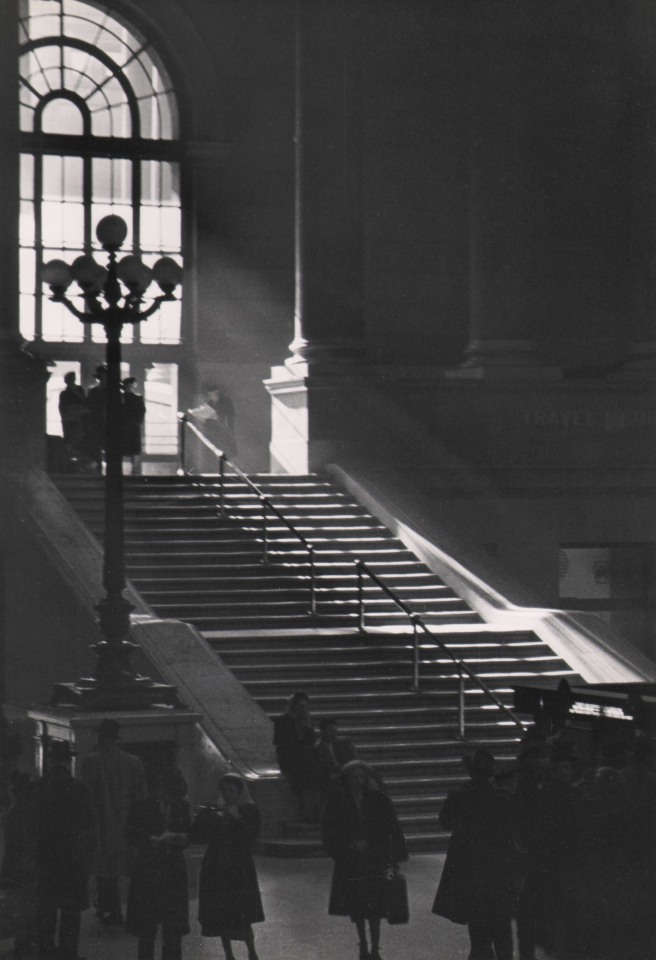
[[99, 135]]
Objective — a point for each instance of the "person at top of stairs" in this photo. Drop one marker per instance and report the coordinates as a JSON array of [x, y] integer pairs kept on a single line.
[[294, 738]]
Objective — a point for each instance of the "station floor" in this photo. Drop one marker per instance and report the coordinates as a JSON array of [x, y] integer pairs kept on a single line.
[[297, 926]]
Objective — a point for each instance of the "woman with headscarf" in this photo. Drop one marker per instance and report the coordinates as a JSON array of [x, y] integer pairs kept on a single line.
[[158, 830], [361, 832], [229, 900]]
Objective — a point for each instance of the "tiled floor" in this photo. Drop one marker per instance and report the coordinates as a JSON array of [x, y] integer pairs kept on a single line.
[[295, 896]]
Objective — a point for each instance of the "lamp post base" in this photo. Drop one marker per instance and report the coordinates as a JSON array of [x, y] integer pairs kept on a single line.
[[138, 693]]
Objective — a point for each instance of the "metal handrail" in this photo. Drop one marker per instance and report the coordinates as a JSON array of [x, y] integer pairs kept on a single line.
[[418, 622], [267, 505]]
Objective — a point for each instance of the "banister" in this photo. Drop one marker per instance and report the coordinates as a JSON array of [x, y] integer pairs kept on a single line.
[[417, 621], [265, 502]]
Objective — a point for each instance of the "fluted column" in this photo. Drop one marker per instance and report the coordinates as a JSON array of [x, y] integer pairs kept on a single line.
[[328, 240], [501, 244]]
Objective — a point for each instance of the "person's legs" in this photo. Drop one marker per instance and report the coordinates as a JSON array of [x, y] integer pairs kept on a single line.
[[362, 937], [227, 948], [374, 930], [146, 944], [250, 944], [171, 944], [502, 939], [480, 940], [69, 934]]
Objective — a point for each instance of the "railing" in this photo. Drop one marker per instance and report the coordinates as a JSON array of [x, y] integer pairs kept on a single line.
[[418, 623], [267, 506]]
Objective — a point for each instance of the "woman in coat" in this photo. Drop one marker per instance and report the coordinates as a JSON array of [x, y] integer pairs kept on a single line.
[[362, 834], [229, 896], [158, 831], [479, 881]]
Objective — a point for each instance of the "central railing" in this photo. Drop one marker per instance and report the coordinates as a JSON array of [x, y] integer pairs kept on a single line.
[[267, 506], [418, 624]]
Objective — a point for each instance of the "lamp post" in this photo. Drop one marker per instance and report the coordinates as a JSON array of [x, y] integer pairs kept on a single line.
[[115, 684]]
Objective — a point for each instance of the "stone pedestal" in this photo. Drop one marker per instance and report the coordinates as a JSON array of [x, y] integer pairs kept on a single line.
[[147, 733]]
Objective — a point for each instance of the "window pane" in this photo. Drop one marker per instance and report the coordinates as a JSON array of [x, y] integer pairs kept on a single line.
[[59, 324], [27, 261], [73, 173], [161, 395], [62, 116], [26, 309], [52, 178], [26, 176], [164, 327], [26, 230], [72, 225]]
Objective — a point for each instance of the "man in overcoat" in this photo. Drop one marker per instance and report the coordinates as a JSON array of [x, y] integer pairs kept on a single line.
[[116, 779], [66, 835]]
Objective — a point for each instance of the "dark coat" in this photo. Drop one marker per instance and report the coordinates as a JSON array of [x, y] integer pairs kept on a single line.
[[134, 414], [228, 895], [479, 880], [73, 409], [66, 839], [158, 878], [375, 822], [294, 745]]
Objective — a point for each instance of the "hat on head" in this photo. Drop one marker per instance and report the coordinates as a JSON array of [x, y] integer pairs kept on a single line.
[[109, 729], [60, 751]]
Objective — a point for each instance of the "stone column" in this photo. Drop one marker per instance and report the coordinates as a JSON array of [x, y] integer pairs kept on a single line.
[[310, 393], [22, 377], [329, 253], [500, 224]]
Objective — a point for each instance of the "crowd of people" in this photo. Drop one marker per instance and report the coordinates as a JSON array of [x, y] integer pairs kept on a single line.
[[542, 851], [83, 417]]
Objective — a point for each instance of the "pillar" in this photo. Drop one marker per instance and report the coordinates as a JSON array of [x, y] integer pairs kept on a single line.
[[22, 376], [311, 390], [500, 215]]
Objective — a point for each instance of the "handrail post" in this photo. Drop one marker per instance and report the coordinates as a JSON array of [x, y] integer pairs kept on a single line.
[[361, 613], [461, 704], [415, 657], [265, 535], [182, 444], [313, 593], [222, 460]]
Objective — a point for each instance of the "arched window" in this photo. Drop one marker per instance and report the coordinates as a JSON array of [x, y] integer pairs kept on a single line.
[[99, 135]]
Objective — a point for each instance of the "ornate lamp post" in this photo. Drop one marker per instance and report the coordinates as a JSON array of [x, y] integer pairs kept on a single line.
[[115, 685]]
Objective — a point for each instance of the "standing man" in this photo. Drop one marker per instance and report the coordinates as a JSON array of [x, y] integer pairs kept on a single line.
[[66, 837], [134, 415], [116, 779], [95, 434], [294, 737], [72, 410]]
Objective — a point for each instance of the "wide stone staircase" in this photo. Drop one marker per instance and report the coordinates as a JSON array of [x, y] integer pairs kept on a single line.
[[197, 555]]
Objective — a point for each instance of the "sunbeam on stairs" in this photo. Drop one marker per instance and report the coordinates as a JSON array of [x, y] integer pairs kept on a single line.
[[191, 562]]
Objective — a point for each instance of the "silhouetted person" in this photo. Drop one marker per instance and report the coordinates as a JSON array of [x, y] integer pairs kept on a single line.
[[294, 737], [116, 780], [18, 872], [73, 410], [362, 834], [158, 830], [331, 753], [229, 900], [134, 414], [66, 837], [96, 418], [479, 881]]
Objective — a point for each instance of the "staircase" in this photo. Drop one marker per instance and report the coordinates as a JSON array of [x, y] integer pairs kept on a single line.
[[192, 563]]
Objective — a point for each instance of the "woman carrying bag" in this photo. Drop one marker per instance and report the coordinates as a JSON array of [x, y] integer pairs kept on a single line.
[[361, 832], [229, 896]]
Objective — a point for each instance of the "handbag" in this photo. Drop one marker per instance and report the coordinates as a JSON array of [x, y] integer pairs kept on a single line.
[[397, 910]]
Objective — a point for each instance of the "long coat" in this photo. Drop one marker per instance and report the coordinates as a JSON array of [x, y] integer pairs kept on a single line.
[[375, 822], [158, 877], [479, 880], [228, 895], [66, 837], [134, 414], [116, 780], [294, 743]]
